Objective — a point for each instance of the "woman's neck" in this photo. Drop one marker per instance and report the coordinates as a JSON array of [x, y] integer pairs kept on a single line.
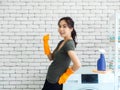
[[67, 38]]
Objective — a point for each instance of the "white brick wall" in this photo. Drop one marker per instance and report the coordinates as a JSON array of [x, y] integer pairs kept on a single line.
[[23, 65]]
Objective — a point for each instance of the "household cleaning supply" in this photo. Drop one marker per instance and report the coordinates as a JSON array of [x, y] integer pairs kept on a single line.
[[101, 63]]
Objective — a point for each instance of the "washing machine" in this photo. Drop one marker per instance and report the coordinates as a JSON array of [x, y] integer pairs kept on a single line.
[[86, 79]]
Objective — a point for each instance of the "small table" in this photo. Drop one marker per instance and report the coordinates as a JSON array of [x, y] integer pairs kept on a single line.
[[102, 72]]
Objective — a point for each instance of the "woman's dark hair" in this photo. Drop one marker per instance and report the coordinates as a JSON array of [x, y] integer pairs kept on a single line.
[[70, 24]]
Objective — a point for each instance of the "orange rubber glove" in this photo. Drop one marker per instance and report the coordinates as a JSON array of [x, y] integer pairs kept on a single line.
[[65, 76], [46, 45]]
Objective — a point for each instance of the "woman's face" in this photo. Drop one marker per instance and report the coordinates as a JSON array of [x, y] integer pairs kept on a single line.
[[64, 30]]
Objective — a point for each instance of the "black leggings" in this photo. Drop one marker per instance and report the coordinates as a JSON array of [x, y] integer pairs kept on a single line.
[[50, 86]]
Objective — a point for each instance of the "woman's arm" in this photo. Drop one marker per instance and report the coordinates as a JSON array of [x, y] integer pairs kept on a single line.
[[76, 62], [76, 65], [50, 56], [47, 50]]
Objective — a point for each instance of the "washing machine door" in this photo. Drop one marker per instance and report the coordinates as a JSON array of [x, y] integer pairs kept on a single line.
[[89, 88]]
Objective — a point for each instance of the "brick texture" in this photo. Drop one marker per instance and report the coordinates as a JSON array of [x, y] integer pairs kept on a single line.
[[23, 65]]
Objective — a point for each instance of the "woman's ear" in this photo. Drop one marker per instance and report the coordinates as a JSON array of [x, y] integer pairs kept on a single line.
[[71, 29]]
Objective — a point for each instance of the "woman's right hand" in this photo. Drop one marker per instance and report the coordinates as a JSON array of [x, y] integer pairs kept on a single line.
[[46, 37], [46, 45]]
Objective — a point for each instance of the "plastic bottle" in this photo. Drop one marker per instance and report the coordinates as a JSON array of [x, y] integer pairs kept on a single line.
[[101, 63]]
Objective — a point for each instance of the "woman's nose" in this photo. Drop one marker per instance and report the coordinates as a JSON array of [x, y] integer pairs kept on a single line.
[[61, 29]]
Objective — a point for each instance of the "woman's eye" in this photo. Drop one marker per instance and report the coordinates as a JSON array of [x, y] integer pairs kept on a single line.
[[64, 26], [59, 26]]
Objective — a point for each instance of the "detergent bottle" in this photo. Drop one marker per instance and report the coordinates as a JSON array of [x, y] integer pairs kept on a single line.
[[101, 63]]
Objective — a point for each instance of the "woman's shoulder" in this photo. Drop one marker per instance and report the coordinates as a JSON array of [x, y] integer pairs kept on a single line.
[[69, 45], [69, 41], [60, 41]]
